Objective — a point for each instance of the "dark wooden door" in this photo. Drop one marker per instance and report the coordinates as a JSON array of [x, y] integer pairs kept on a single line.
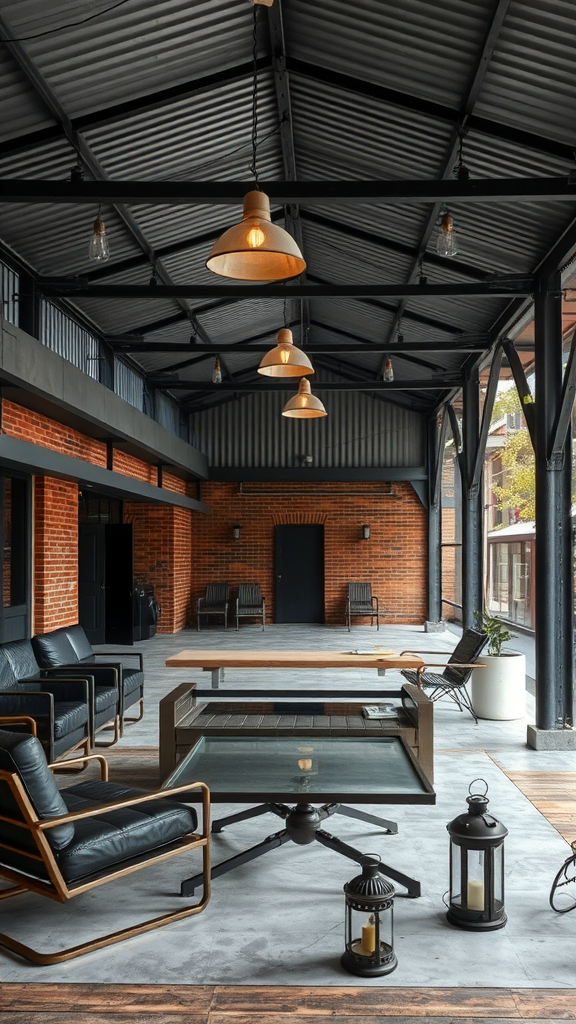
[[91, 581], [299, 573], [119, 570]]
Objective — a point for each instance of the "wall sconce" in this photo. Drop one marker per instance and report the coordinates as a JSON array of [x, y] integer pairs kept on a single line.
[[236, 533], [365, 533]]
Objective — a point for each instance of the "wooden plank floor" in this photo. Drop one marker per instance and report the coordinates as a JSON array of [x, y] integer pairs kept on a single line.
[[553, 794], [208, 1004]]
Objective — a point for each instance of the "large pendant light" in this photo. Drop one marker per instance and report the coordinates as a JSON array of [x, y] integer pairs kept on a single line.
[[256, 249], [304, 405], [285, 360]]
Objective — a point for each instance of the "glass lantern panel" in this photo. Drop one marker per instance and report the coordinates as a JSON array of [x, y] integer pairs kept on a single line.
[[498, 854], [456, 874], [476, 896], [365, 928]]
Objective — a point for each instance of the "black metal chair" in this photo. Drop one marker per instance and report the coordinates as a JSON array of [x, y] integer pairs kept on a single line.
[[62, 843], [250, 603], [214, 602], [451, 682], [360, 601]]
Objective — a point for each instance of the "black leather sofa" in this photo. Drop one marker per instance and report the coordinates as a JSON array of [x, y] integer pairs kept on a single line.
[[61, 706], [69, 647]]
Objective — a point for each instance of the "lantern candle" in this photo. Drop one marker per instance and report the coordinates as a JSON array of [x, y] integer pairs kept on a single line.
[[475, 895], [368, 938]]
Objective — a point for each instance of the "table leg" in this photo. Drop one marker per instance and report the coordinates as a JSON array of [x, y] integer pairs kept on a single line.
[[217, 676], [413, 888], [189, 885], [391, 827], [250, 812]]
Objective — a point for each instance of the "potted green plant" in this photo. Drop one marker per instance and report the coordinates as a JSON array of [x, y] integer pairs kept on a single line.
[[498, 687]]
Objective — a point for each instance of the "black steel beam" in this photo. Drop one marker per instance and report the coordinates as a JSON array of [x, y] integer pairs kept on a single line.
[[436, 446], [522, 387], [317, 473], [553, 558], [562, 422], [248, 345], [499, 286], [225, 193], [265, 384], [491, 389], [472, 553]]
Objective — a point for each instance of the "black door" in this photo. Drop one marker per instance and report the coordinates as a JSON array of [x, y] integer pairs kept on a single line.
[[91, 593], [119, 570], [299, 573], [14, 558]]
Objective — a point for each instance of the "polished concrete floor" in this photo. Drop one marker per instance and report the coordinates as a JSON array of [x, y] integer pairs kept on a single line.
[[279, 920]]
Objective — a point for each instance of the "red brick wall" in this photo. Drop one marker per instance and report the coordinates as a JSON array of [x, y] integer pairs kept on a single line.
[[394, 559], [55, 599], [28, 425], [162, 558]]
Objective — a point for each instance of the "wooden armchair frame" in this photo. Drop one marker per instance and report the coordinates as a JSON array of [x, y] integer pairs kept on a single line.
[[56, 888]]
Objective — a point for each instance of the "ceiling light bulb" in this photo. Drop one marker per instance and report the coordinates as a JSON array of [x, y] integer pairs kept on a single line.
[[304, 405], [217, 372], [255, 237], [388, 370], [99, 249], [256, 249], [285, 360], [447, 241]]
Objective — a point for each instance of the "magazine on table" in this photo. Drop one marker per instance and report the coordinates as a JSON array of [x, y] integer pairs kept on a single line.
[[380, 711]]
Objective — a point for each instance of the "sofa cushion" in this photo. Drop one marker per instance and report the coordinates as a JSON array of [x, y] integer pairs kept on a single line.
[[21, 658], [79, 641], [116, 836], [132, 680], [23, 755], [68, 716], [54, 649], [104, 698], [7, 679]]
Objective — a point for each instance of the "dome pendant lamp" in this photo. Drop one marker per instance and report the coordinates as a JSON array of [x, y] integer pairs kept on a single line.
[[304, 405], [256, 249], [285, 360]]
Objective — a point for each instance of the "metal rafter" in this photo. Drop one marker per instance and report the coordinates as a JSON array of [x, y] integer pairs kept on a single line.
[[466, 109]]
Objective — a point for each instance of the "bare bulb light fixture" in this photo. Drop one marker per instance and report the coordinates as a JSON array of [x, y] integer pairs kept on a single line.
[[217, 372], [99, 249], [285, 360], [256, 249], [388, 373], [304, 405], [447, 241]]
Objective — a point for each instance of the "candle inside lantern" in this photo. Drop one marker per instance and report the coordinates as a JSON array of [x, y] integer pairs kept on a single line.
[[305, 764], [475, 895], [368, 938]]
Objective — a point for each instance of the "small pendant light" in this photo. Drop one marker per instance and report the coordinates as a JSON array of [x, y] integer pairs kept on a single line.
[[217, 372], [256, 249], [304, 405], [285, 360], [99, 249], [447, 241]]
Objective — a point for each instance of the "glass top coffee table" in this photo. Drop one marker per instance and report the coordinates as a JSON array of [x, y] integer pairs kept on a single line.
[[276, 771]]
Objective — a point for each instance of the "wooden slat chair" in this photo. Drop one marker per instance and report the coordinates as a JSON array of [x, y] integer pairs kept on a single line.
[[451, 682], [361, 601], [63, 843], [214, 602], [250, 603]]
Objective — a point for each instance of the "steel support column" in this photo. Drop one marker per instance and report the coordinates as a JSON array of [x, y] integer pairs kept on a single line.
[[554, 685], [471, 502], [436, 444]]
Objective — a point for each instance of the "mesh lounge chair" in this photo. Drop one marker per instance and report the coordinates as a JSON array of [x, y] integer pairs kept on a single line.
[[62, 843], [360, 601], [250, 603], [214, 602], [451, 682]]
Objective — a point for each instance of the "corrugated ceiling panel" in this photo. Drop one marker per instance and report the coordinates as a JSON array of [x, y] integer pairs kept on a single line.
[[339, 258], [530, 82], [133, 50], [422, 48], [22, 108]]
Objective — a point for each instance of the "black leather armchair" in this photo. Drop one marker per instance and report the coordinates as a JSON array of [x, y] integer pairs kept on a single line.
[[214, 602], [54, 653], [69, 647], [60, 706], [62, 843]]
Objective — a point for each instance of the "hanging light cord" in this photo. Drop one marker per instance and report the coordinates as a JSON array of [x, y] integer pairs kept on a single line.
[[253, 166]]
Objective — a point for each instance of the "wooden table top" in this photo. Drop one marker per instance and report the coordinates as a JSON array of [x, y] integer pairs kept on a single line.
[[291, 659]]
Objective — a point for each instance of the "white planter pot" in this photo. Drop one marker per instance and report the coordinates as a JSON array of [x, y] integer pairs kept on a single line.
[[499, 689]]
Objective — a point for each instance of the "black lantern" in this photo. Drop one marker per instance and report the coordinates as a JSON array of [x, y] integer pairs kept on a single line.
[[369, 933], [477, 866]]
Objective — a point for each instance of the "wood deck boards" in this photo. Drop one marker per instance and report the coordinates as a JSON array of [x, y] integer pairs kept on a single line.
[[223, 1004], [553, 794]]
